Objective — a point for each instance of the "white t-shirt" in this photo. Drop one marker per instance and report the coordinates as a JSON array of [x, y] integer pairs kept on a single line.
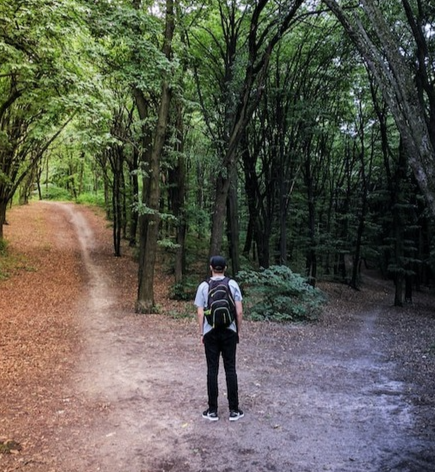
[[202, 297]]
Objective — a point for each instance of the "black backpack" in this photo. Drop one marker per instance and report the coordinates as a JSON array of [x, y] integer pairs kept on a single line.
[[221, 308]]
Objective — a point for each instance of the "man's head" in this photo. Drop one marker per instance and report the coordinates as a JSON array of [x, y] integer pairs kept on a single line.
[[218, 264]]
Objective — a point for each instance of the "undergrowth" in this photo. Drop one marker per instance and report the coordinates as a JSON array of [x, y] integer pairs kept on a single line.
[[3, 258], [278, 294]]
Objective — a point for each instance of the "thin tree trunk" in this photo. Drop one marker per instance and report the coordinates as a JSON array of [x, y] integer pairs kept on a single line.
[[3, 207], [233, 225], [311, 260], [134, 198], [251, 196], [177, 196], [116, 203]]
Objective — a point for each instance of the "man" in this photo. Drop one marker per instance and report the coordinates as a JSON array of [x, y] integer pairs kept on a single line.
[[220, 341]]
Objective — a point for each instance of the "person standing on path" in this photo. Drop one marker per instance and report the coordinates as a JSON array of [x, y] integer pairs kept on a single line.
[[220, 341]]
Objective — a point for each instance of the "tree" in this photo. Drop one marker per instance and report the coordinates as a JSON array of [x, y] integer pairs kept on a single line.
[[290, 141], [235, 57], [396, 48], [40, 76], [149, 229]]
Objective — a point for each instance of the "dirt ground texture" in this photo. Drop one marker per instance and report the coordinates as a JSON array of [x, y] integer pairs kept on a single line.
[[87, 385]]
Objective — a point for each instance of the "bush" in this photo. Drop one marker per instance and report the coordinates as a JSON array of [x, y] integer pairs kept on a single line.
[[277, 294], [4, 262], [3, 247], [96, 199], [185, 290], [56, 193]]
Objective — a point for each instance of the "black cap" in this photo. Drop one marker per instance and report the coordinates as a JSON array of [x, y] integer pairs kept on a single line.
[[218, 263]]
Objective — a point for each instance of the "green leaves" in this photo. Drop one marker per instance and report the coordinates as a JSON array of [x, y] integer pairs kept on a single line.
[[278, 294]]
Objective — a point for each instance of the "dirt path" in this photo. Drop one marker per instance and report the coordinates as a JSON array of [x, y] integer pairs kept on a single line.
[[338, 396]]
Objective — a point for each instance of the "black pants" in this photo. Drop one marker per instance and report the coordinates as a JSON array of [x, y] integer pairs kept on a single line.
[[216, 343]]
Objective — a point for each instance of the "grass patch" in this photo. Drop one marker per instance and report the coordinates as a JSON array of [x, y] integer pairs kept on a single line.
[[4, 259], [54, 193], [10, 264], [3, 247], [184, 313], [96, 199]]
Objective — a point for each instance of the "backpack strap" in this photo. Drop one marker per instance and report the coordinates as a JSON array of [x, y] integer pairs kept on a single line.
[[227, 281]]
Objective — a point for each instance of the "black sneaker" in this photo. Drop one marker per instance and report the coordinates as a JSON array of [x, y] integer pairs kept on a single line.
[[236, 415], [210, 415]]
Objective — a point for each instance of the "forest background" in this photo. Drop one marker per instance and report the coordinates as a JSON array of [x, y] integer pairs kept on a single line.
[[279, 133]]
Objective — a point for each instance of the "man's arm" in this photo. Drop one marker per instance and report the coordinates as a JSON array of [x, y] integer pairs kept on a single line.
[[199, 303], [200, 317], [239, 315]]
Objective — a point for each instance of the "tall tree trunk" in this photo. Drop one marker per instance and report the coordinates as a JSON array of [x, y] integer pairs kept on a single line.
[[366, 171], [311, 263], [144, 165], [150, 226], [179, 198], [262, 236], [251, 192], [151, 221], [233, 225], [282, 226], [249, 238], [134, 182], [399, 276], [116, 200], [311, 259], [219, 212], [3, 206], [398, 198]]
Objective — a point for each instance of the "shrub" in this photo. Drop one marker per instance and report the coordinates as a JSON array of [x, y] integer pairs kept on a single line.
[[3, 247], [278, 294], [56, 193], [96, 199], [185, 290]]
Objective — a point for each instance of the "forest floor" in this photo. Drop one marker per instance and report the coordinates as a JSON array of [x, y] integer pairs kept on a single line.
[[87, 385]]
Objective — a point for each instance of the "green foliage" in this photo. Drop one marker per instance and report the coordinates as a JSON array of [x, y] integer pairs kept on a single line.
[[168, 244], [3, 247], [56, 193], [91, 199], [12, 263], [44, 82], [312, 147], [184, 312], [185, 290], [278, 294]]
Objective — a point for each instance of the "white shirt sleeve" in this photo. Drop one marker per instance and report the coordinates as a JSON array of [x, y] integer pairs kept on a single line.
[[235, 290], [201, 295]]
